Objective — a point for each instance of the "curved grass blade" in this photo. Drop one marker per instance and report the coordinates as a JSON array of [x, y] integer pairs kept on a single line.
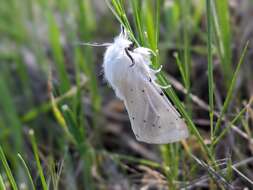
[[8, 170]]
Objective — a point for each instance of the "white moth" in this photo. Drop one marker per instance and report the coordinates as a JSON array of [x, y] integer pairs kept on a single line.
[[127, 70]]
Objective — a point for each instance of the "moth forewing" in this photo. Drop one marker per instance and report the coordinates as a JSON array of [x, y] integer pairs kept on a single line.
[[152, 117]]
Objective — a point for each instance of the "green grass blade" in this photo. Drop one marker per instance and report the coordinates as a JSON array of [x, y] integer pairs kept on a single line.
[[132, 159], [186, 38], [36, 154], [46, 106], [76, 131], [210, 65], [9, 111], [120, 14], [54, 37], [27, 171], [8, 170], [86, 29], [170, 154], [138, 20], [223, 34], [85, 150], [60, 118], [2, 186], [184, 6], [180, 67], [158, 6], [230, 90], [150, 24], [55, 171], [230, 124]]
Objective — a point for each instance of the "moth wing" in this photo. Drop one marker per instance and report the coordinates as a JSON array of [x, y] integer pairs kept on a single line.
[[153, 118]]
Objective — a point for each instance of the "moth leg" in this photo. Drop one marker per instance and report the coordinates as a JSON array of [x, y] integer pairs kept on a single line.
[[130, 57], [157, 70], [163, 87], [152, 79]]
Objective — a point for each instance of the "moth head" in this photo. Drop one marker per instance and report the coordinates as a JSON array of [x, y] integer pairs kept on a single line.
[[122, 42], [131, 47]]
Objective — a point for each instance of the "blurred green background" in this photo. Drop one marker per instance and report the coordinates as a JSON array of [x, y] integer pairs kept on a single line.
[[61, 127]]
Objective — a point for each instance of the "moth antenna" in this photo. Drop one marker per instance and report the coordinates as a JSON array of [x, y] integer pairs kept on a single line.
[[93, 44], [123, 31]]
